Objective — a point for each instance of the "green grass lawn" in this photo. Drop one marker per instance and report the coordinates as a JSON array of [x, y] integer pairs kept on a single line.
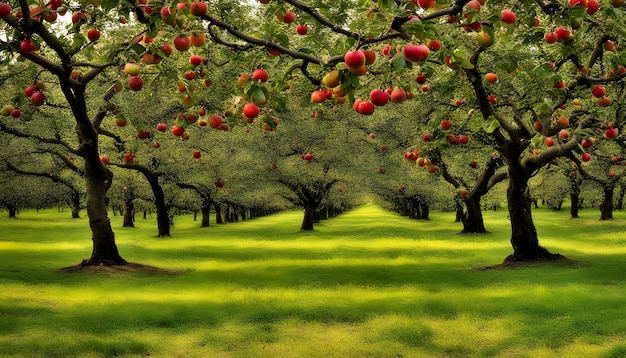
[[366, 284]]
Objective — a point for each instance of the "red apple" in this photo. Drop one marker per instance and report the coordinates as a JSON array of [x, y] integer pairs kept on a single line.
[[104, 159], [415, 53], [182, 43], [426, 137], [463, 139], [548, 141], [379, 97], [585, 157], [302, 29], [143, 134], [129, 158], [196, 154], [421, 79], [38, 98], [433, 45], [93, 35], [161, 127], [355, 59], [563, 134], [446, 124], [398, 95], [308, 156], [562, 34], [598, 91], [507, 16], [198, 8], [167, 49], [366, 108], [251, 110], [135, 83], [551, 37], [26, 46], [259, 75], [604, 101], [195, 60], [219, 183], [177, 131], [289, 17], [5, 10], [592, 6]]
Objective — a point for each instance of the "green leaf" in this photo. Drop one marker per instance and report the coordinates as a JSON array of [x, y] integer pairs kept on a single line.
[[537, 140], [398, 62], [491, 125], [386, 4]]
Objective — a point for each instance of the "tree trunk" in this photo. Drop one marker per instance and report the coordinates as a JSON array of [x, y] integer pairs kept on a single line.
[[620, 197], [473, 218], [523, 232], [425, 212], [12, 211], [75, 198], [163, 220], [309, 216], [573, 197], [206, 215], [218, 213], [129, 208], [606, 208]]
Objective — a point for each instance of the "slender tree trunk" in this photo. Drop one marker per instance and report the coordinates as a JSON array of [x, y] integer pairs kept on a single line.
[[129, 208], [473, 218], [309, 216], [75, 198], [606, 208], [620, 197], [523, 232], [206, 215], [574, 197], [163, 221], [425, 212], [218, 213]]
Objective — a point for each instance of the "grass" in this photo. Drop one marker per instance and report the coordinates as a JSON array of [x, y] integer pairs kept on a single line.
[[366, 284]]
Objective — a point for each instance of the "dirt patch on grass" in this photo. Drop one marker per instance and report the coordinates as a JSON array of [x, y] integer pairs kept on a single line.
[[556, 258], [128, 267]]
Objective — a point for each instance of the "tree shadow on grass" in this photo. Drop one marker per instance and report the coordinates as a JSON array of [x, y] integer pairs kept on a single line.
[[113, 269], [554, 258]]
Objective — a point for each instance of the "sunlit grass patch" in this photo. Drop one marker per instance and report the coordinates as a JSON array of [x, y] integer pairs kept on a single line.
[[368, 283]]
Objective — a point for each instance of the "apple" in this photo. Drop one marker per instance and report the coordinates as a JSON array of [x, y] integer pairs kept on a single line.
[[491, 77], [259, 75], [433, 45], [415, 53], [421, 79], [562, 34], [135, 83], [604, 101], [6, 110], [121, 122], [251, 110], [302, 29], [29, 91], [196, 154], [177, 131], [551, 37], [355, 59], [585, 157], [398, 95], [318, 96], [167, 49], [366, 108], [473, 164], [168, 15], [78, 16], [331, 79], [132, 69], [592, 6], [586, 143], [458, 102], [548, 141], [161, 127], [143, 134], [5, 10], [492, 99], [537, 125], [26, 46], [93, 35], [446, 124], [129, 158], [289, 17], [464, 192], [198, 8], [426, 4], [598, 91], [104, 159], [611, 133], [307, 156], [463, 139], [508, 17], [38, 98], [559, 84], [215, 121], [195, 60], [219, 183], [182, 43], [426, 137], [16, 113], [379, 97], [370, 57], [611, 174], [484, 39], [615, 159], [563, 134]]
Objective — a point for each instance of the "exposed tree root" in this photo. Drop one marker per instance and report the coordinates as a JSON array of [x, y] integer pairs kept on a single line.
[[117, 268], [508, 263]]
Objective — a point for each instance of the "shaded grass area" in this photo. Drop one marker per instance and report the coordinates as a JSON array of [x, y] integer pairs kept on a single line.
[[366, 284]]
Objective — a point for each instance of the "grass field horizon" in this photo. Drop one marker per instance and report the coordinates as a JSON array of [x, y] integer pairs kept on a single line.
[[369, 283]]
